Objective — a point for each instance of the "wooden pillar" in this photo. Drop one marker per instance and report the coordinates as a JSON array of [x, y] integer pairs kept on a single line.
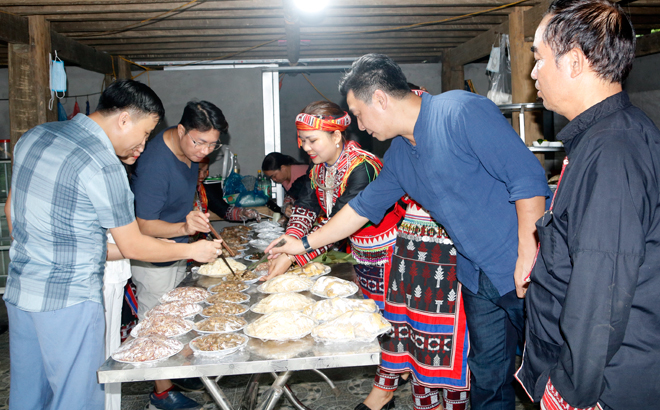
[[452, 74], [522, 85], [29, 77], [123, 68]]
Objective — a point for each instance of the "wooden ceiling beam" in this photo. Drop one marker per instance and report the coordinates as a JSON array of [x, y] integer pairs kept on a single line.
[[251, 40], [648, 44], [118, 48], [103, 14], [255, 3], [14, 30], [358, 24], [477, 47], [276, 32]]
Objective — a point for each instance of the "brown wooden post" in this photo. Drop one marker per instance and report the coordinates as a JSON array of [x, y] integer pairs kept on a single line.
[[123, 68], [522, 85], [29, 76], [452, 74]]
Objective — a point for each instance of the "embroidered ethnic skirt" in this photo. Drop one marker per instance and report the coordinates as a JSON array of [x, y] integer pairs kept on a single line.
[[424, 304]]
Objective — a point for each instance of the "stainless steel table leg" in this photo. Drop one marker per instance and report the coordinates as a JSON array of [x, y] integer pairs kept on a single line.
[[216, 393], [334, 388], [293, 399], [274, 393], [249, 400]]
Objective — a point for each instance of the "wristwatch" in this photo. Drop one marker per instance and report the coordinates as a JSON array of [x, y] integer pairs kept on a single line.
[[305, 243]]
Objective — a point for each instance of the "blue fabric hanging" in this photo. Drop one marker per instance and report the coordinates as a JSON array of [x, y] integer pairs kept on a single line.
[[87, 108], [61, 114]]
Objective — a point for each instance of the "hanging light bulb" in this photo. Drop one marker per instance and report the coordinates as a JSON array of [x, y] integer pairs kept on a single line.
[[311, 6]]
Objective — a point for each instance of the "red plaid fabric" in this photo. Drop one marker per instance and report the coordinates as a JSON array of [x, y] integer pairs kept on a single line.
[[300, 224], [455, 400], [425, 398], [552, 400], [386, 380]]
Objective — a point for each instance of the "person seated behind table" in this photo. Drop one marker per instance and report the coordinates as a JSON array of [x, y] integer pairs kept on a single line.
[[211, 197], [285, 170]]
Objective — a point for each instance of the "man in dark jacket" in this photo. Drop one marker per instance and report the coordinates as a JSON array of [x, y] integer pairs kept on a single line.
[[593, 317]]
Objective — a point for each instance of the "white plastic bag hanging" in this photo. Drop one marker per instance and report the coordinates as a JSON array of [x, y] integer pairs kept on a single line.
[[57, 79], [499, 72]]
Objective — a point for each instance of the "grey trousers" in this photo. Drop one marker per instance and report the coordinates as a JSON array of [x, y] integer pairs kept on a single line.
[[153, 281]]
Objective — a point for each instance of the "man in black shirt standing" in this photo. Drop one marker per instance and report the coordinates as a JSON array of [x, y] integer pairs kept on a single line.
[[593, 317]]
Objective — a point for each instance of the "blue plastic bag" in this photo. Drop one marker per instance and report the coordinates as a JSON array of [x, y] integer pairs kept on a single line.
[[249, 199], [233, 184]]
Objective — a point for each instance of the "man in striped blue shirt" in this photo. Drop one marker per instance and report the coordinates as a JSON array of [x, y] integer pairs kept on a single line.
[[68, 188]]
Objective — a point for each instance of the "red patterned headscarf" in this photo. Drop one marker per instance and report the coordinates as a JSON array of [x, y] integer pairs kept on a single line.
[[327, 123]]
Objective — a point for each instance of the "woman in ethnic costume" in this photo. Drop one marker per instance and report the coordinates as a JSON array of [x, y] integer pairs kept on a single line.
[[340, 170], [424, 304]]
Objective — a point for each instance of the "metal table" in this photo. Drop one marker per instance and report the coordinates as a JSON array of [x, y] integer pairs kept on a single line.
[[277, 358]]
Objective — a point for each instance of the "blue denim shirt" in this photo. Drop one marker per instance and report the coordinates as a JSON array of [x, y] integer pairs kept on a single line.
[[467, 169]]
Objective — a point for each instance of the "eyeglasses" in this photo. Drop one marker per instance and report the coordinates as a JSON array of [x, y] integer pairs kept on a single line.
[[213, 146]]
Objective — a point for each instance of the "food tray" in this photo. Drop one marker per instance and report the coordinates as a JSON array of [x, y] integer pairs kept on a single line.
[[197, 325], [238, 286], [213, 299], [135, 332], [170, 347], [223, 352]]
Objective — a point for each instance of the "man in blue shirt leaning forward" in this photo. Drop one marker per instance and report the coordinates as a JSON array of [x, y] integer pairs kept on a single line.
[[456, 155], [68, 188]]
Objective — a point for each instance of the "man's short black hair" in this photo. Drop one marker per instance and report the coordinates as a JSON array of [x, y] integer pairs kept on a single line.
[[373, 72], [130, 95], [203, 116], [601, 29]]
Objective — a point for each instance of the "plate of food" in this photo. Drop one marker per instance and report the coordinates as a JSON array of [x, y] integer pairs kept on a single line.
[[311, 270], [218, 344], [328, 309], [219, 268], [179, 308], [286, 283], [281, 301], [283, 325], [220, 324], [147, 349], [229, 296], [164, 325], [269, 236], [189, 294], [254, 257], [330, 286], [224, 308], [352, 326], [246, 276], [260, 244], [238, 286]]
